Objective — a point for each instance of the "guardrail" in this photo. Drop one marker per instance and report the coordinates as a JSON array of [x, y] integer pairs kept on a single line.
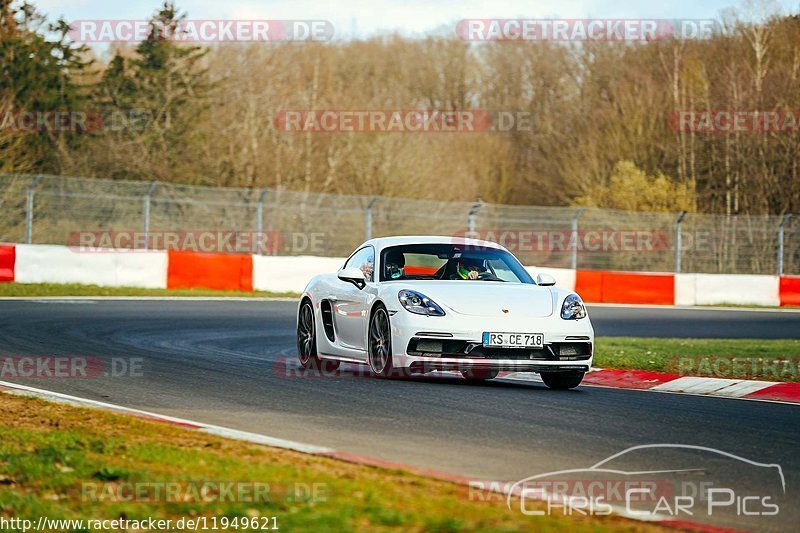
[[43, 209]]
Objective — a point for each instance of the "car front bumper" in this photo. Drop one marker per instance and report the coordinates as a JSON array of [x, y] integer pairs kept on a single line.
[[568, 344]]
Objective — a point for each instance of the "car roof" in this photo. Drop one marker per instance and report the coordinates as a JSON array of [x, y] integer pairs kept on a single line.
[[385, 242]]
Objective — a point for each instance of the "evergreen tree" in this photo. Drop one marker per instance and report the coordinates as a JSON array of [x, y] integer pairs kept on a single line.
[[169, 79], [117, 88], [39, 75]]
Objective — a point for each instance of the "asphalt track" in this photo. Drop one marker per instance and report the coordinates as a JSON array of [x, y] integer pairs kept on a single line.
[[225, 363]]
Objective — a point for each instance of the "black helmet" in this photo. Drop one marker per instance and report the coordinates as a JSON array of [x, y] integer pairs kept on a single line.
[[472, 262], [396, 258], [394, 261]]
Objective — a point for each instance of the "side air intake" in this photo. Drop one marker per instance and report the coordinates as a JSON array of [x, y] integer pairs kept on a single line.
[[327, 320]]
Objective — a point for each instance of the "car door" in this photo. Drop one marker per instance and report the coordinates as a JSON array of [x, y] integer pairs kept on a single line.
[[350, 305]]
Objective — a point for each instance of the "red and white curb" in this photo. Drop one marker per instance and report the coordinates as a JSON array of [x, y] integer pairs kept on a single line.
[[743, 389], [321, 451]]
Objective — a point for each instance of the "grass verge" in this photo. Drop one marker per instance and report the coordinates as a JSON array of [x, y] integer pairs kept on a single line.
[[35, 290], [65, 462], [765, 359]]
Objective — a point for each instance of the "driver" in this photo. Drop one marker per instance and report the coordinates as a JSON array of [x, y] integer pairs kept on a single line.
[[470, 268], [395, 264]]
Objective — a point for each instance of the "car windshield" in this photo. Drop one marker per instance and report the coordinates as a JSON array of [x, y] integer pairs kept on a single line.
[[451, 262]]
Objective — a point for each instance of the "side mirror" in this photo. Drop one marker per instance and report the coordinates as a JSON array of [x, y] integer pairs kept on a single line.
[[545, 280], [353, 275]]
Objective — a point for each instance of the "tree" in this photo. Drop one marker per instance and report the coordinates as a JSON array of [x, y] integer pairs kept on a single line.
[[38, 75], [170, 86], [629, 188]]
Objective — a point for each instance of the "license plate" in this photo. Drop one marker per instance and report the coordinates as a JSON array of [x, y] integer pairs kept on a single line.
[[513, 340]]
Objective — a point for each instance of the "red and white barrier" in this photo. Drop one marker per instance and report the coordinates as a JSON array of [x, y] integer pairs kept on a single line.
[[290, 274], [625, 287], [789, 288], [735, 289], [8, 258], [38, 263], [25, 263], [193, 270]]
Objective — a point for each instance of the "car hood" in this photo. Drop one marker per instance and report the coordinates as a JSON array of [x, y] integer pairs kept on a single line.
[[487, 298]]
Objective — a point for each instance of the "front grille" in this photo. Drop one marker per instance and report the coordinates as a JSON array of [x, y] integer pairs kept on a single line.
[[515, 354], [430, 365], [557, 351]]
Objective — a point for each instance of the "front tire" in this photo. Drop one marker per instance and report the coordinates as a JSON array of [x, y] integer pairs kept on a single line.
[[562, 380], [307, 341], [380, 343]]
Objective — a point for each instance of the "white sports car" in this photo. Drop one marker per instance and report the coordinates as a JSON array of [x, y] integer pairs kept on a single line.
[[420, 304]]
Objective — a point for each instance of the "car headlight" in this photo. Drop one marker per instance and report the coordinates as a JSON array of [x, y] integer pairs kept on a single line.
[[419, 304], [573, 308]]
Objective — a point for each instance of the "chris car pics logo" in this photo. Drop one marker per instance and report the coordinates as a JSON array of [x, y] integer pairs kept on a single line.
[[693, 481]]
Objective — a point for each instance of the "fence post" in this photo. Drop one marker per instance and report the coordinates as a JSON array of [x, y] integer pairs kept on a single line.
[[678, 223], [574, 238], [472, 217], [784, 221], [368, 218], [29, 209], [147, 196], [260, 220]]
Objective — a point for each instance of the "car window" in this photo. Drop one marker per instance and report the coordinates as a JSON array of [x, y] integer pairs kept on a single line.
[[447, 261], [364, 259], [502, 270], [422, 263]]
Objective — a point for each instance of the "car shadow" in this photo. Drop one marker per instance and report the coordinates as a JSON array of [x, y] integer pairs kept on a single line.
[[363, 372], [290, 368]]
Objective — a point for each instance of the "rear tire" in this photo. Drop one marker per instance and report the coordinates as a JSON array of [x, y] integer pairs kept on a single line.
[[307, 342], [479, 374], [562, 380]]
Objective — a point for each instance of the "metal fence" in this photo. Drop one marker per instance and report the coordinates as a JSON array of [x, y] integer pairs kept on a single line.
[[53, 209]]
